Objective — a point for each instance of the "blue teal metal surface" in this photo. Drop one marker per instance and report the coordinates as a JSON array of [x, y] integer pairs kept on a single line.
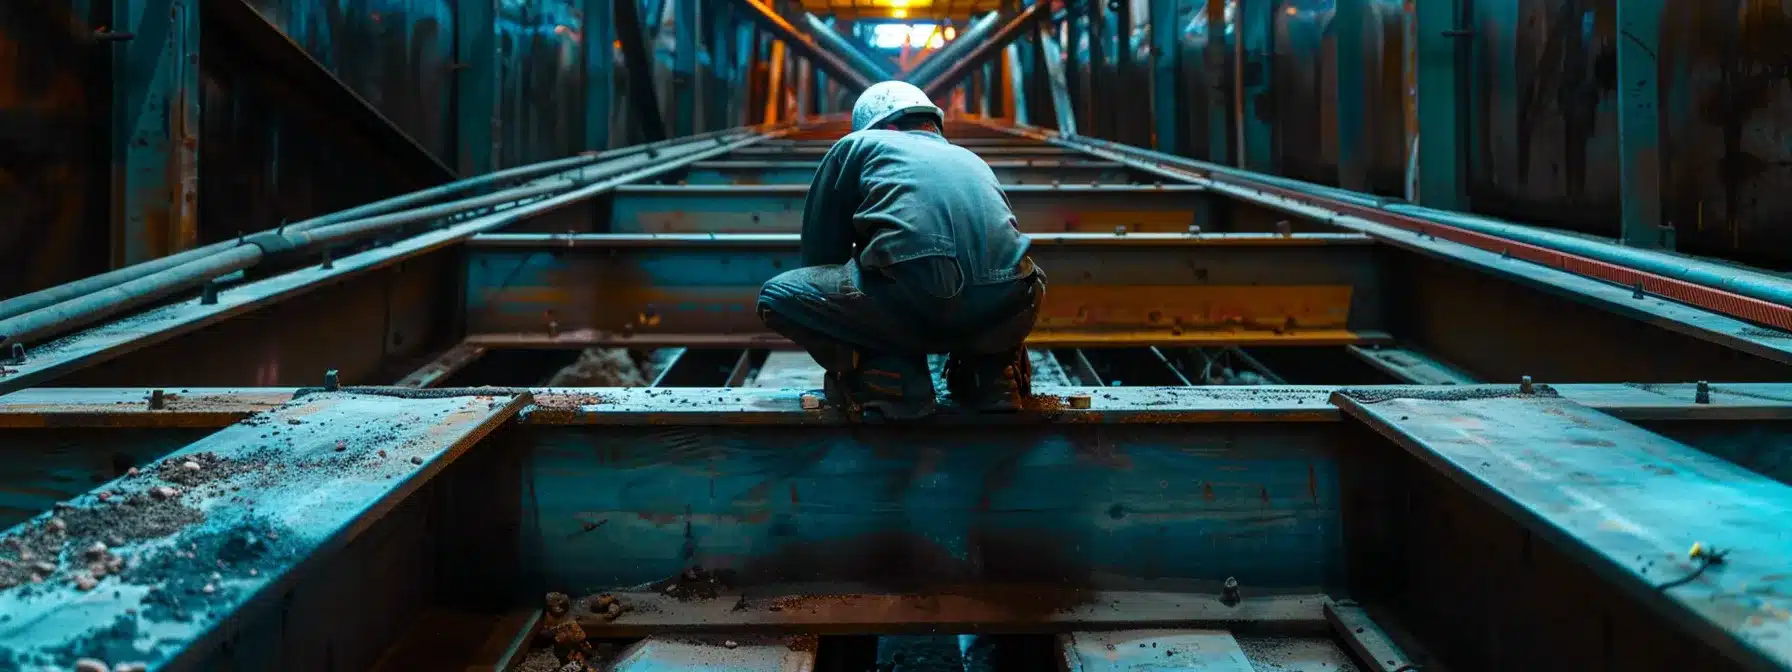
[[1442, 76], [476, 86], [1214, 23], [1056, 66], [598, 32], [1639, 139], [1689, 536], [1254, 58], [210, 548], [44, 466], [541, 80], [1165, 49], [684, 68], [156, 116], [1109, 506], [1350, 29]]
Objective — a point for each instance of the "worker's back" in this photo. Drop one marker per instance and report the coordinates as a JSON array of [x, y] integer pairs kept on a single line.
[[917, 195]]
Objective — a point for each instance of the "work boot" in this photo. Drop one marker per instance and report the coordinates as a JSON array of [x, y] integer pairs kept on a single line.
[[990, 383], [883, 388]]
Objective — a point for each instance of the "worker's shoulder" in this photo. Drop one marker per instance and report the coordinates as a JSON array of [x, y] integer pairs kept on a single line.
[[874, 139]]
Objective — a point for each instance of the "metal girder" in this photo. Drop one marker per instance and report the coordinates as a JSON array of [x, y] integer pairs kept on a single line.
[[599, 33], [255, 40], [843, 47], [1039, 208], [1221, 149], [986, 43], [155, 129], [476, 83], [1441, 51], [809, 49], [1107, 290], [1016, 61], [1253, 57], [630, 31], [272, 512], [1350, 35], [1639, 125], [1166, 49], [684, 68], [1053, 55], [945, 57]]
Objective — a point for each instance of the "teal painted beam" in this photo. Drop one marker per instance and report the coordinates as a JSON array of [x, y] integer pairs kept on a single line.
[[1219, 105], [1440, 43], [1350, 26], [1639, 125], [476, 86], [1255, 51], [600, 71], [155, 129], [1054, 68], [1017, 74], [684, 68], [1164, 50]]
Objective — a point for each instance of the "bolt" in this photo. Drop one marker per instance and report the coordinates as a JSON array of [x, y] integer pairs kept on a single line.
[[157, 400], [1080, 401], [1194, 229], [1229, 592], [1524, 385], [1120, 230], [208, 295], [1702, 395], [18, 353], [553, 329], [1636, 290], [1506, 253], [332, 382], [1285, 229], [1055, 184], [329, 261], [811, 402]]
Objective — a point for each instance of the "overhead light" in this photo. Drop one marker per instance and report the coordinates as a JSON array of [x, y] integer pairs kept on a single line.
[[899, 13], [951, 33]]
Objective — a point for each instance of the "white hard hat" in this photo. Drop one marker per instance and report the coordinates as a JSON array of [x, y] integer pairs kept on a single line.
[[886, 101]]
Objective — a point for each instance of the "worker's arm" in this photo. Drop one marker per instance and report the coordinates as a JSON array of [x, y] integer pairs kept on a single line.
[[827, 215]]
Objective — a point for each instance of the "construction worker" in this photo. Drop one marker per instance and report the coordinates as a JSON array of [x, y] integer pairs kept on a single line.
[[909, 248]]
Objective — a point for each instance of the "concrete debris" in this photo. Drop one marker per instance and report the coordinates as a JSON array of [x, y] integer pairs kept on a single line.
[[131, 667], [604, 367], [692, 584], [91, 665], [607, 606], [85, 583]]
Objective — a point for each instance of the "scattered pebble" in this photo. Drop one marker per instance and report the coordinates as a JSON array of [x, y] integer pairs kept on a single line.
[[131, 667], [341, 446], [85, 582], [382, 454], [730, 644], [57, 524], [416, 460], [131, 472], [44, 567], [209, 589], [190, 465], [96, 551], [162, 492], [91, 665]]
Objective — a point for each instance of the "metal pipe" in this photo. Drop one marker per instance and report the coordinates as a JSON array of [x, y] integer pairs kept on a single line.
[[806, 45], [837, 43], [238, 255], [1737, 280], [941, 59], [988, 44], [44, 298]]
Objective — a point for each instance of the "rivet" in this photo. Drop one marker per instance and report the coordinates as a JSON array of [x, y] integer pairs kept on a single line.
[[157, 400], [1079, 401], [1524, 385], [1702, 394], [332, 382], [1636, 290], [208, 295]]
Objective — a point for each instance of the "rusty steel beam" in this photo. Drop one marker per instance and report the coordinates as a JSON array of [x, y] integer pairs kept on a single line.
[[699, 290], [1038, 208], [985, 48], [850, 76]]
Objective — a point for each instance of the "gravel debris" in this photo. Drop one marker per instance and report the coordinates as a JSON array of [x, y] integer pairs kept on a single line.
[[36, 550]]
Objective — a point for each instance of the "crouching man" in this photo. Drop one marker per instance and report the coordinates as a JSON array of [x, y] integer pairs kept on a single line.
[[909, 248]]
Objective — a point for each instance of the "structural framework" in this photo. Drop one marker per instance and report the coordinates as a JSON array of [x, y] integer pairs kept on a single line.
[[1275, 427]]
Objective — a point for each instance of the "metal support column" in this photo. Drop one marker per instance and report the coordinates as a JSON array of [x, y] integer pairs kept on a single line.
[[1015, 60], [1053, 55], [632, 33], [1164, 49], [1101, 108], [1639, 125], [1441, 61], [1219, 90], [1253, 55], [155, 124], [476, 86], [684, 68], [1350, 26], [774, 90], [600, 71]]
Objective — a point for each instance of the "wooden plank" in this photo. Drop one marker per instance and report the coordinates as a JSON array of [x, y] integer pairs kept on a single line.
[[1626, 501], [1152, 651], [716, 654], [265, 501], [983, 609]]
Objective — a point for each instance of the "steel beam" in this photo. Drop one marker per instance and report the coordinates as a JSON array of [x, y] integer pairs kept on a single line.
[[1350, 34], [699, 290], [1038, 208], [1053, 55], [1527, 456], [631, 32], [928, 71], [843, 47], [476, 83], [155, 129], [1441, 53], [599, 33], [1639, 125], [849, 75], [988, 43], [1220, 145], [1016, 71], [1253, 58], [684, 68], [1166, 48], [259, 515]]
